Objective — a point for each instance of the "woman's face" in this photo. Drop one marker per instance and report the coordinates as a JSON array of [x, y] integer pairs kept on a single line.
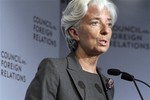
[[95, 31]]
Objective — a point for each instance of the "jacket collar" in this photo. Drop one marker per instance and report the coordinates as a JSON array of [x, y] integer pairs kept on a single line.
[[73, 64]]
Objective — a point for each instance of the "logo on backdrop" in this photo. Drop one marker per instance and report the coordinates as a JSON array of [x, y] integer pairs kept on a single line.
[[43, 31], [130, 37], [12, 66]]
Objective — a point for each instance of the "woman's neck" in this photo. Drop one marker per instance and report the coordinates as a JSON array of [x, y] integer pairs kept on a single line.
[[88, 63]]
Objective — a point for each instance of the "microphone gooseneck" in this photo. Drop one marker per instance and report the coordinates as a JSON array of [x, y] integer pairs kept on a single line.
[[142, 82]]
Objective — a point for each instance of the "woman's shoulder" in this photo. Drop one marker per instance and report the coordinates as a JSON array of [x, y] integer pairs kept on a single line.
[[49, 63], [53, 60]]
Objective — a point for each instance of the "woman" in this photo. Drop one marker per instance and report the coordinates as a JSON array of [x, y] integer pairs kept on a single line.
[[87, 25]]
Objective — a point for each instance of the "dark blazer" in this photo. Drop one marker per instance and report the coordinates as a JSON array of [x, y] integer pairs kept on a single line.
[[58, 79]]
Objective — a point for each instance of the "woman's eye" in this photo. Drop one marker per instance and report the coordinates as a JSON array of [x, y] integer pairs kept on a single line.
[[94, 23], [110, 24]]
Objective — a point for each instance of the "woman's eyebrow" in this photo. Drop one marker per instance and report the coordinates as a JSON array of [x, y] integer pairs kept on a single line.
[[109, 19]]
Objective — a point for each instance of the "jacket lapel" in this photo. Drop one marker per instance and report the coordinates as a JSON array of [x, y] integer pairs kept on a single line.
[[74, 69]]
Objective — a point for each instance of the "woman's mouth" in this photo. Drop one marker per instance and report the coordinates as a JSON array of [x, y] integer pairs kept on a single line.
[[103, 42]]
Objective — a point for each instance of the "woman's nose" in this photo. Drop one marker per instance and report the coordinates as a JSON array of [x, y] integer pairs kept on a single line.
[[104, 30]]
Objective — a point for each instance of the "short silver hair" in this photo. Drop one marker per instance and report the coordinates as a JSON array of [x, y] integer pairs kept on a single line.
[[76, 10]]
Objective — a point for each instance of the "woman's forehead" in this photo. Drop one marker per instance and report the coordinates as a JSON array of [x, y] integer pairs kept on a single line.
[[95, 12]]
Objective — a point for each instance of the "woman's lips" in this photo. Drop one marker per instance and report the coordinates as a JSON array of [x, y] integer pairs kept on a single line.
[[103, 42]]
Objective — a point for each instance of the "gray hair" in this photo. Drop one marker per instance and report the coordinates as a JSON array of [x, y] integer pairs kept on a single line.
[[76, 10]]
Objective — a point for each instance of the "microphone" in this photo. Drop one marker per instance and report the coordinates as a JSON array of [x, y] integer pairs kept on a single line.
[[131, 78], [126, 76], [114, 72], [82, 86]]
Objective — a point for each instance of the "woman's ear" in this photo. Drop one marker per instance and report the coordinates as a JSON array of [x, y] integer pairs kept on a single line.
[[73, 32]]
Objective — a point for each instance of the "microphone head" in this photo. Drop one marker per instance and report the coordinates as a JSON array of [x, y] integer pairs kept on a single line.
[[114, 72], [127, 77]]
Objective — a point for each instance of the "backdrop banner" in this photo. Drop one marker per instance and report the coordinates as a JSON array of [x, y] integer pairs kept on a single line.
[[29, 32]]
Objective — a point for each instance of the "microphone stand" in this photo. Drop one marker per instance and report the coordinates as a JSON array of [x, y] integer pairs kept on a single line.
[[138, 89]]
